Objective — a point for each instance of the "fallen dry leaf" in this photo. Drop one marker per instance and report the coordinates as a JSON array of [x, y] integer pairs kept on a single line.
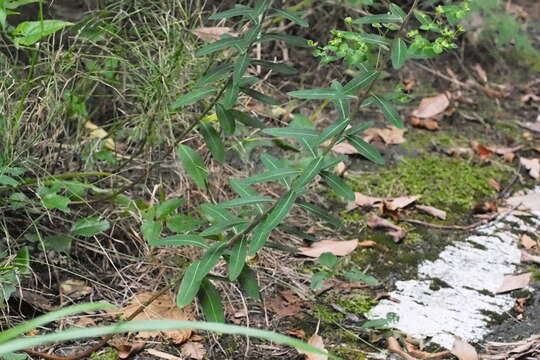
[[495, 184], [431, 106], [400, 202], [505, 151], [340, 168], [75, 288], [527, 242], [463, 350], [487, 207], [99, 133], [163, 308], [193, 350], [390, 135], [336, 247], [344, 148], [317, 342], [299, 333], [429, 124], [482, 151], [393, 230], [125, 347], [366, 200], [288, 304], [393, 345], [433, 211], [162, 355], [213, 33], [533, 165], [459, 152], [513, 282], [367, 243], [481, 73], [414, 351]]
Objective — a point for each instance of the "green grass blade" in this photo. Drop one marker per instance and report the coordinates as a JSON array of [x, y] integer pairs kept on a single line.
[[210, 301]]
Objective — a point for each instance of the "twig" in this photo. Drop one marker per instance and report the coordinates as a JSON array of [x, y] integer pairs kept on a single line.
[[102, 342]]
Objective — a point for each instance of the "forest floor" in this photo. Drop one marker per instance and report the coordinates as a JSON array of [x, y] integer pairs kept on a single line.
[[447, 176]]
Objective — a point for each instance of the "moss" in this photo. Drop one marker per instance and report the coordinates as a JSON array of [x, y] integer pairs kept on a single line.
[[326, 314], [358, 304], [447, 183], [349, 352], [106, 354]]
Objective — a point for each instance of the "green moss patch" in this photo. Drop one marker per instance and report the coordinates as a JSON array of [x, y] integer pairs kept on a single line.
[[447, 183]]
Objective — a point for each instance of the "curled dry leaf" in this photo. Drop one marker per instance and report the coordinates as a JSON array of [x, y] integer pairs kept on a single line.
[[400, 202], [495, 184], [513, 282], [431, 106], [393, 345], [163, 308], [390, 135], [393, 230], [463, 350], [317, 342], [527, 242], [365, 200], [125, 347], [429, 124], [482, 151], [299, 333], [367, 243], [193, 350], [533, 165], [414, 351], [336, 247], [433, 211], [75, 288], [213, 33]]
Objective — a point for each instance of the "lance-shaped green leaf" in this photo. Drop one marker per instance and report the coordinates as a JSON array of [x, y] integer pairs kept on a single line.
[[237, 259], [30, 32], [333, 130], [222, 43], [396, 10], [240, 67], [398, 53], [314, 94], [276, 67], [382, 18], [181, 240], [220, 227], [342, 107], [288, 39], [361, 81], [262, 6], [365, 149], [331, 161], [246, 119], [324, 215], [389, 111], [272, 163], [293, 16], [338, 185], [373, 39], [259, 238], [230, 96], [151, 230], [215, 213], [90, 226], [265, 99], [192, 97], [213, 141], [309, 173], [293, 132], [214, 74], [183, 223], [226, 119], [238, 11], [196, 272], [271, 175], [246, 201], [167, 207], [248, 282], [193, 164], [210, 301], [422, 17]]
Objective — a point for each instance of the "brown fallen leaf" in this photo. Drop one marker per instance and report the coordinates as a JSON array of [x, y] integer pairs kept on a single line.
[[463, 350], [393, 345], [163, 308], [288, 304], [431, 106], [336, 247], [344, 148], [75, 288], [533, 165], [163, 355], [482, 151], [433, 211], [528, 258], [393, 230], [193, 350], [298, 333], [390, 135], [367, 243], [400, 202], [340, 168], [213, 33], [504, 151], [414, 351], [366, 200], [429, 124], [125, 347], [317, 342], [481, 73], [513, 282], [527, 242], [487, 207]]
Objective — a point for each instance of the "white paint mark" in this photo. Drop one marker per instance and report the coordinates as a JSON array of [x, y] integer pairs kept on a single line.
[[473, 269]]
